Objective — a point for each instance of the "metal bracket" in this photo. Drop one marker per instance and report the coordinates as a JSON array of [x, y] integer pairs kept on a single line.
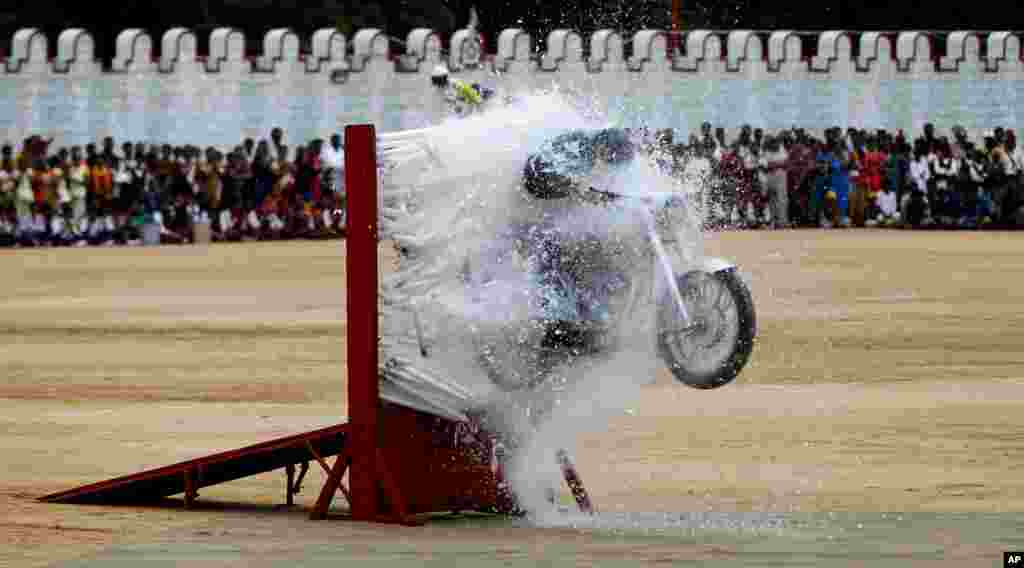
[[294, 484]]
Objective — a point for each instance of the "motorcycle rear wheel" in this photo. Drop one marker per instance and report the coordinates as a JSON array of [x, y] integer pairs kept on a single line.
[[711, 349]]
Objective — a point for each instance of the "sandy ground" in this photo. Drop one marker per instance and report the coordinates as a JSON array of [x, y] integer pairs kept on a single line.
[[888, 377]]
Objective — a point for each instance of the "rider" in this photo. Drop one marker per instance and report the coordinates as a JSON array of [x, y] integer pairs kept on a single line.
[[463, 98], [574, 268]]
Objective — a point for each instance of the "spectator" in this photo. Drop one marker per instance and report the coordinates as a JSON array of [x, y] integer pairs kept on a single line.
[[24, 201], [800, 177], [860, 200], [750, 202], [127, 152], [262, 174], [102, 185], [60, 198], [944, 173], [720, 145], [108, 154], [240, 177], [708, 142], [272, 215], [826, 204], [1014, 168], [696, 171], [1016, 153], [277, 139], [315, 166], [729, 179], [78, 181], [914, 205], [176, 226], [888, 208], [976, 204], [249, 149], [872, 176], [929, 136], [840, 172], [775, 159], [8, 187], [7, 162], [333, 159], [961, 146], [998, 175], [264, 191]]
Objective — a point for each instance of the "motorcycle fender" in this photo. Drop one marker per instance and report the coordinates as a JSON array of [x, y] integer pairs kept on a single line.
[[709, 264], [713, 264]]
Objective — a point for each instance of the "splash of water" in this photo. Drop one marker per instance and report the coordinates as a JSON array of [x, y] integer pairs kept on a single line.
[[470, 284]]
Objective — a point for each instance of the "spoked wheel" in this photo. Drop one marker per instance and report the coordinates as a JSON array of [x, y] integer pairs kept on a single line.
[[712, 347]]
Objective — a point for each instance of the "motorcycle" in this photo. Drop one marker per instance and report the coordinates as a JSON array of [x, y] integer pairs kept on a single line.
[[586, 289]]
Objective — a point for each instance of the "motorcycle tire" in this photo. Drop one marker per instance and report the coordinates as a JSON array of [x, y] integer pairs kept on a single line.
[[731, 342]]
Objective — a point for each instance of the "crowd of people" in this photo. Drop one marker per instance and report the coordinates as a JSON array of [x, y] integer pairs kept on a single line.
[[792, 178], [140, 193]]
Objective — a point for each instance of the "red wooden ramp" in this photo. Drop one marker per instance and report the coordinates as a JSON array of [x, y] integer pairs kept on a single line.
[[189, 476]]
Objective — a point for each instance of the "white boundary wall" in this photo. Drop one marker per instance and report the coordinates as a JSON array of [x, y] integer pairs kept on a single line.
[[862, 79]]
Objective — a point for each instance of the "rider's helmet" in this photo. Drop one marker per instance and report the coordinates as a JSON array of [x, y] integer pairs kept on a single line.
[[550, 172], [439, 77]]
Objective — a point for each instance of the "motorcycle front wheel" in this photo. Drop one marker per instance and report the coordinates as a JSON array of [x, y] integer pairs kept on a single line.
[[709, 348]]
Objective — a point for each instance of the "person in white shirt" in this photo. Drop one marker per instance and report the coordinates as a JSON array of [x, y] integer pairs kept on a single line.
[[944, 172], [24, 203], [333, 158], [920, 174], [774, 160], [77, 179], [888, 209], [1018, 160], [1014, 165]]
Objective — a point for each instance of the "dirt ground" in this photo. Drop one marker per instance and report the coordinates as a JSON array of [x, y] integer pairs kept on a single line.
[[889, 376]]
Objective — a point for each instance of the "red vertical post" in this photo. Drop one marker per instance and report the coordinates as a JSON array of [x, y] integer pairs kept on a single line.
[[673, 36], [361, 295]]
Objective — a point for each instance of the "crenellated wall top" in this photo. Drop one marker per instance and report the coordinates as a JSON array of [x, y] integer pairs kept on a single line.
[[730, 53]]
